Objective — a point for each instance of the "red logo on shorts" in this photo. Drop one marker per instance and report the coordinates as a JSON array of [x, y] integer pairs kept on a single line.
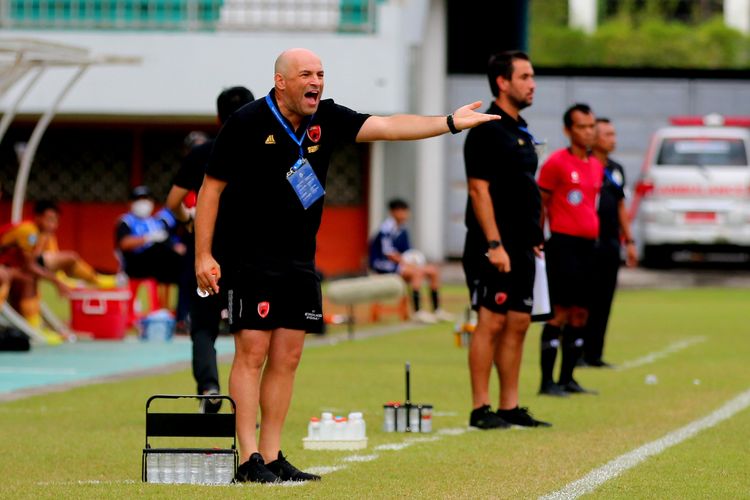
[[263, 308], [314, 133], [500, 297]]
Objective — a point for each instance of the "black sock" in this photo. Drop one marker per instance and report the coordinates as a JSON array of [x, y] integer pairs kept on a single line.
[[435, 300], [549, 344], [415, 298], [572, 348]]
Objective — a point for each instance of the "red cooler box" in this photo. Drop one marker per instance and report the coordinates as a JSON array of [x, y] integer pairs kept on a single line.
[[103, 313]]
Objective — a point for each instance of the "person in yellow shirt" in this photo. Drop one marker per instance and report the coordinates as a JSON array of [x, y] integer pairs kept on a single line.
[[30, 250]]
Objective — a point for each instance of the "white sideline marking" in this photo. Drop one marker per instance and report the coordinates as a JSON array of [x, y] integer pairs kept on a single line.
[[614, 468], [671, 348], [86, 481], [453, 431], [360, 458], [325, 469], [394, 446]]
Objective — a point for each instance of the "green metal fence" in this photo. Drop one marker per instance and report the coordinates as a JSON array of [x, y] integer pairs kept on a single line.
[[190, 15]]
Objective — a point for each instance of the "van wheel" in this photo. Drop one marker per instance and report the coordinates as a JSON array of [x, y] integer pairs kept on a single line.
[[657, 257]]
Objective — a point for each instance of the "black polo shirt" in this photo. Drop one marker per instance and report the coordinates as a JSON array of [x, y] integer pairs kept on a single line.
[[613, 191], [505, 156], [190, 174], [261, 222]]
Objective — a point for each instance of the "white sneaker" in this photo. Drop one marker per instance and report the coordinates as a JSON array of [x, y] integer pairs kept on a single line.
[[425, 317], [443, 315]]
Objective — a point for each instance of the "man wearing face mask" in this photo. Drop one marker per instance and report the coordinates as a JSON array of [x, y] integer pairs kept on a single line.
[[143, 240]]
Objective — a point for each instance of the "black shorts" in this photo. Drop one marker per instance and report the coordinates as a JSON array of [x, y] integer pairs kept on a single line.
[[496, 291], [266, 300], [570, 262]]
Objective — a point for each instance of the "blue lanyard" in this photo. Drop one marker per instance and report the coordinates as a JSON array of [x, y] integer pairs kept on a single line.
[[526, 131], [284, 124]]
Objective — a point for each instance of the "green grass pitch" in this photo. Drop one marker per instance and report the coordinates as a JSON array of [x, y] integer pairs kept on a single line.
[[86, 442]]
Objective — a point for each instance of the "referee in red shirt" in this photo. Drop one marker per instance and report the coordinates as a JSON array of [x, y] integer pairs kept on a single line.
[[569, 181]]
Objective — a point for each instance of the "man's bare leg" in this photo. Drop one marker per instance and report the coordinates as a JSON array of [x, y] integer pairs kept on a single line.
[[250, 350], [508, 357], [276, 387], [481, 351]]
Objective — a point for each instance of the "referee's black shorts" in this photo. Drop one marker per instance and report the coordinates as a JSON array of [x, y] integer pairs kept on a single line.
[[496, 291], [266, 300], [569, 269]]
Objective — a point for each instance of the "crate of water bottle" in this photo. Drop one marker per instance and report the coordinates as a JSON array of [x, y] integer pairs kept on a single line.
[[331, 432], [189, 466], [407, 417]]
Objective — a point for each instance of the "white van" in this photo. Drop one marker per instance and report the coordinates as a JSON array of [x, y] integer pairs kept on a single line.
[[694, 190]]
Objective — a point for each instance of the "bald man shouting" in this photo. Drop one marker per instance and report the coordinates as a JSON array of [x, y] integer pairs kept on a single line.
[[258, 214]]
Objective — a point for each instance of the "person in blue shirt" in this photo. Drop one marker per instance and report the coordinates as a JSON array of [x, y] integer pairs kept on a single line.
[[391, 253], [143, 240]]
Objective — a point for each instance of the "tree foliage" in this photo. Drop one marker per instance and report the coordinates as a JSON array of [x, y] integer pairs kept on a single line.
[[639, 33]]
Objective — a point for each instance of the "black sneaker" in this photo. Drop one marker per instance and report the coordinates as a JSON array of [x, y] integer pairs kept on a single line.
[[552, 389], [210, 405], [521, 417], [484, 418], [255, 471], [287, 472], [574, 387], [599, 363]]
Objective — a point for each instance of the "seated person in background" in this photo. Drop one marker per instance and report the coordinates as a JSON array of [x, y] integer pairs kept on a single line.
[[144, 243], [391, 252], [29, 250]]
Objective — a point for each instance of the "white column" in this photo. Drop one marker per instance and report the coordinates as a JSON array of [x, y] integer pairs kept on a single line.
[[429, 222], [582, 15], [375, 209], [737, 15]]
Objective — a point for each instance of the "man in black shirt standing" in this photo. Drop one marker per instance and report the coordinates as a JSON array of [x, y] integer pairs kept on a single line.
[[258, 214], [503, 237], [205, 312], [614, 227]]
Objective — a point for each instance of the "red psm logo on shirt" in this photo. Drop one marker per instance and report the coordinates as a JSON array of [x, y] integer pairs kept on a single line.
[[314, 133]]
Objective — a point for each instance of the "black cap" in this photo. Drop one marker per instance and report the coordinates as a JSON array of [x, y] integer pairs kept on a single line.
[[140, 192]]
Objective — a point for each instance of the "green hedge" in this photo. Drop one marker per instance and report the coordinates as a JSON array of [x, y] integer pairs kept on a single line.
[[619, 42]]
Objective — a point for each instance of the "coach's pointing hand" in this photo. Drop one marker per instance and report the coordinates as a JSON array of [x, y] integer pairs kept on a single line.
[[465, 116]]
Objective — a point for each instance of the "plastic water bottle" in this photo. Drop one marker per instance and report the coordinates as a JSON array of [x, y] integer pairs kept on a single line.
[[181, 464], [326, 426], [152, 468], [166, 464], [224, 468], [426, 418], [356, 426], [414, 419], [389, 417], [339, 428], [209, 468], [313, 428], [196, 468]]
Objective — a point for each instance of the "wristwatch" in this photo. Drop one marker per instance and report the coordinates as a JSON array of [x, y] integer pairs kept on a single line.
[[493, 244]]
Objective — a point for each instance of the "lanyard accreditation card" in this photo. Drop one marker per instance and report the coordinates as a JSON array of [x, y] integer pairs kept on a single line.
[[301, 176]]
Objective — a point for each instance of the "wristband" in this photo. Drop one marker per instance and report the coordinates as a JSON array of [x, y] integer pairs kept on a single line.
[[629, 242], [493, 244], [451, 125]]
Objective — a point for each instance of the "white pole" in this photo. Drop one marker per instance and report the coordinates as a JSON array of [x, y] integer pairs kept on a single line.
[[582, 15], [11, 112], [737, 15], [429, 222], [19, 192], [375, 208]]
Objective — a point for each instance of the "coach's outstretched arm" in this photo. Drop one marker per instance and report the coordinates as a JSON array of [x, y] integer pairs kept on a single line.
[[411, 127], [207, 270]]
